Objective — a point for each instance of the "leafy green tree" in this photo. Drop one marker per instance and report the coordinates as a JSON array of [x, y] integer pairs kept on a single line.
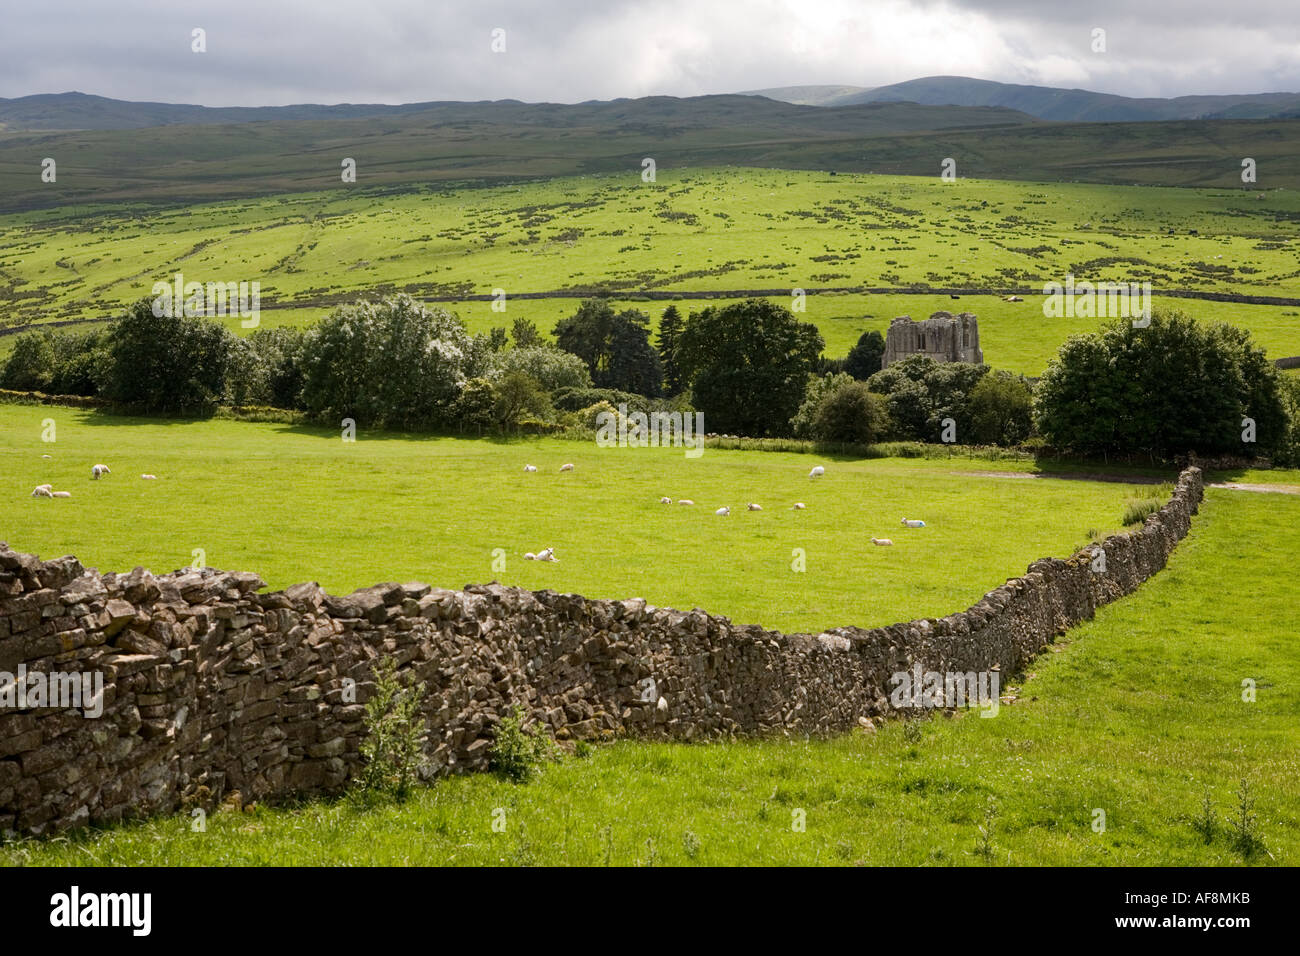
[[921, 393], [280, 349], [670, 330], [748, 364], [475, 407], [552, 368], [850, 413], [615, 347], [525, 334], [166, 363], [1001, 410], [497, 339], [396, 363], [864, 359], [519, 396], [80, 362], [819, 387], [1172, 387], [30, 367]]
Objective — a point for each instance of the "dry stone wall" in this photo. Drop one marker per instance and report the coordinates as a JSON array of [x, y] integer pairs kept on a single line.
[[210, 687]]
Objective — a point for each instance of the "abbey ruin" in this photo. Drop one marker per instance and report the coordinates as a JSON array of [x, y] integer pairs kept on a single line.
[[943, 337]]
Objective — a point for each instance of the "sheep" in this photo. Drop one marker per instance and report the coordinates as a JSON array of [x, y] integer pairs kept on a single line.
[[913, 523], [529, 556], [547, 554], [723, 511], [60, 494], [685, 501], [99, 470], [754, 507], [43, 491], [665, 501], [797, 506], [817, 472], [881, 541], [568, 467], [530, 467], [149, 477], [47, 456]]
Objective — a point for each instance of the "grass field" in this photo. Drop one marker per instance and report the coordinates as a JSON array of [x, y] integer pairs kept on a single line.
[[297, 503], [699, 230], [1139, 714]]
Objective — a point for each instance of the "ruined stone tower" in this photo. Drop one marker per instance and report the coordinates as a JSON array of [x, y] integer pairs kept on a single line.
[[943, 337]]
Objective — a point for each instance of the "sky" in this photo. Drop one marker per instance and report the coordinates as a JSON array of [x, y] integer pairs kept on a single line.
[[277, 52]]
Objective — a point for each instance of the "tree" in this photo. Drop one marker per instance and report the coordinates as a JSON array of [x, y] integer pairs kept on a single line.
[[616, 347], [819, 387], [396, 363], [850, 413], [863, 360], [31, 364], [921, 394], [497, 339], [552, 368], [748, 364], [475, 407], [166, 363], [1001, 410], [670, 330], [518, 396], [525, 334], [1172, 387], [280, 350]]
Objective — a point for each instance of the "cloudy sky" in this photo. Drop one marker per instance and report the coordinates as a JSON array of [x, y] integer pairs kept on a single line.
[[274, 52]]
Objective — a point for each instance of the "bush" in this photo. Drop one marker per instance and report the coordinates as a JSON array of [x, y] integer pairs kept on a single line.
[[393, 748], [30, 367], [920, 393], [863, 360], [1136, 512], [552, 368], [819, 387], [850, 414], [517, 751]]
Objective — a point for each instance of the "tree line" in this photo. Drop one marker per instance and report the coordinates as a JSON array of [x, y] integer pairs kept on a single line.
[[753, 368]]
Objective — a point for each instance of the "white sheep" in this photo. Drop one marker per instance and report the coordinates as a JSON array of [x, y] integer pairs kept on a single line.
[[529, 556], [754, 507], [99, 470], [568, 467], [817, 472], [797, 506], [723, 511], [47, 456], [547, 554], [665, 501], [881, 541], [913, 523], [43, 491], [150, 477], [530, 467], [685, 501], [60, 494]]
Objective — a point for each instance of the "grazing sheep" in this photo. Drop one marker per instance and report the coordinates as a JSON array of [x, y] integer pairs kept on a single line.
[[797, 506], [913, 523], [150, 477], [530, 467], [43, 491], [881, 541], [99, 470], [724, 511], [60, 494], [665, 501], [753, 507], [568, 467], [817, 472], [685, 501]]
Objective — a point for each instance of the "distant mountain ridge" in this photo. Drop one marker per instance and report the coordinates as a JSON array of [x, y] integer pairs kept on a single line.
[[1046, 102]]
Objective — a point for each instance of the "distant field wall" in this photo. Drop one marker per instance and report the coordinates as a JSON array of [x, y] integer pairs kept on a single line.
[[210, 687]]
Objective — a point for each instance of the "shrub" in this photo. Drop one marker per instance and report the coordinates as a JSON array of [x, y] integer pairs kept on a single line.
[[1001, 410], [551, 368], [819, 387], [30, 367], [850, 414], [517, 751], [1136, 512], [393, 748]]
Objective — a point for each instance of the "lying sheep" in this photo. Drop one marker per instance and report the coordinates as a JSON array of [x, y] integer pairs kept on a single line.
[[43, 491], [797, 506], [724, 511], [530, 467], [913, 523], [99, 471], [60, 494], [665, 501], [529, 556], [547, 554], [568, 467], [150, 477], [754, 507], [881, 541], [685, 501]]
